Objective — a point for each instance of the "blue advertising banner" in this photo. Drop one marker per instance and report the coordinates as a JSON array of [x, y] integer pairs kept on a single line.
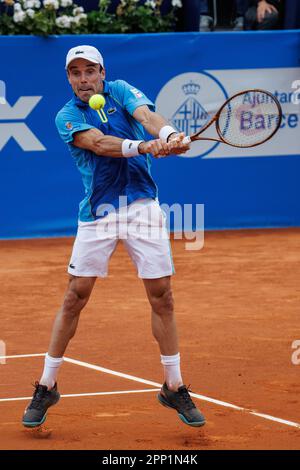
[[182, 73]]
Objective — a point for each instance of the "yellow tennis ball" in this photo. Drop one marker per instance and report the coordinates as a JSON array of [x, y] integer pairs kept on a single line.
[[97, 102]]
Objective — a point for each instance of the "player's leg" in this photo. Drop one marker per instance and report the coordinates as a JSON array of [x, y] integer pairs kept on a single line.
[[162, 317], [164, 329], [66, 321], [92, 250], [76, 297], [90, 256], [148, 245], [173, 393], [65, 325]]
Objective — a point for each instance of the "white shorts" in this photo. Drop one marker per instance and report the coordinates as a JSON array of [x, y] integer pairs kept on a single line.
[[142, 228]]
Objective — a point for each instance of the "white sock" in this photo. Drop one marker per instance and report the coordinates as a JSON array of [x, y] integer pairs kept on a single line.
[[50, 372], [172, 371]]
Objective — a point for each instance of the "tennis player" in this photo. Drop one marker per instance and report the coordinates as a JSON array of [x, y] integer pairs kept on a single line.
[[114, 160]]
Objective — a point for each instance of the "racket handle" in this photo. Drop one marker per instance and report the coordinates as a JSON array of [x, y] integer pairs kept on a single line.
[[187, 140]]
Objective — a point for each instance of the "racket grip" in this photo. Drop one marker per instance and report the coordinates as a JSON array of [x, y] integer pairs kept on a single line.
[[187, 140]]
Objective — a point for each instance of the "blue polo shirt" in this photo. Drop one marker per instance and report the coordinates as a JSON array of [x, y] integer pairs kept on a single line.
[[105, 178]]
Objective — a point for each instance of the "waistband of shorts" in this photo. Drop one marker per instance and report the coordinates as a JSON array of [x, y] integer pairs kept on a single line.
[[145, 202]]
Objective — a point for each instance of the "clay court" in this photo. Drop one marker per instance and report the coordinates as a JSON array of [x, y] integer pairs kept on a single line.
[[237, 304]]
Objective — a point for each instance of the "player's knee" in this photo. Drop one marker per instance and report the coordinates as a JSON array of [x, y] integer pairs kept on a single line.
[[74, 303], [163, 303]]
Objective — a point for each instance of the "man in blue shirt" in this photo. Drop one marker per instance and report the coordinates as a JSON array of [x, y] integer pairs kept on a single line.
[[120, 203]]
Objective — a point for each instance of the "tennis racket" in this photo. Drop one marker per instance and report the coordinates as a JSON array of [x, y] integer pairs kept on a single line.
[[247, 119]]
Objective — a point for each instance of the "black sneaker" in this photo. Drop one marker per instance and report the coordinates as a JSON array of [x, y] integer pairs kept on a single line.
[[36, 412], [183, 404]]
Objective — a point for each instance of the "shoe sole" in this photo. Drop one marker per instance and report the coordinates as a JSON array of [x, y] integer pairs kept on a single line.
[[35, 424], [196, 424]]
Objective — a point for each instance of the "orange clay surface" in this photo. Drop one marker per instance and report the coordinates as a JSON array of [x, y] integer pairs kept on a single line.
[[237, 305]]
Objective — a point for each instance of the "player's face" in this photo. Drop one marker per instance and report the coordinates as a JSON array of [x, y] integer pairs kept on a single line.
[[85, 78]]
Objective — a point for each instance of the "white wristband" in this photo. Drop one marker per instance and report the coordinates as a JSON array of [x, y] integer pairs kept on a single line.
[[130, 148], [165, 132], [186, 140]]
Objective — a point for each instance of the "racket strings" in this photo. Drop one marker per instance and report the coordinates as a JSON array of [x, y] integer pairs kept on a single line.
[[249, 118]]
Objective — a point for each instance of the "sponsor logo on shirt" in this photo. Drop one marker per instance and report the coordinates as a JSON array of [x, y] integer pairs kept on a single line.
[[136, 93]]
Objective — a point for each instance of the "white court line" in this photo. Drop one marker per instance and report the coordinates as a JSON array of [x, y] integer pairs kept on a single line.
[[156, 384], [272, 418], [96, 394], [111, 372], [22, 355]]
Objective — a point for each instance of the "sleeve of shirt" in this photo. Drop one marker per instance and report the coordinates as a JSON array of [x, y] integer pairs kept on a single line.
[[130, 97], [70, 121]]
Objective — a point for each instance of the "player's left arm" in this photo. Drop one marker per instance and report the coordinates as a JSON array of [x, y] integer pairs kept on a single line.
[[154, 122]]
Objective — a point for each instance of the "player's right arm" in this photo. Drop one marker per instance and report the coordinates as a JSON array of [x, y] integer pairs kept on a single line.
[[111, 146], [98, 143], [73, 130]]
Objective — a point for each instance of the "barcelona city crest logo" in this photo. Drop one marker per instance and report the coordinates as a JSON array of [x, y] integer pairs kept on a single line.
[[191, 116], [188, 101]]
